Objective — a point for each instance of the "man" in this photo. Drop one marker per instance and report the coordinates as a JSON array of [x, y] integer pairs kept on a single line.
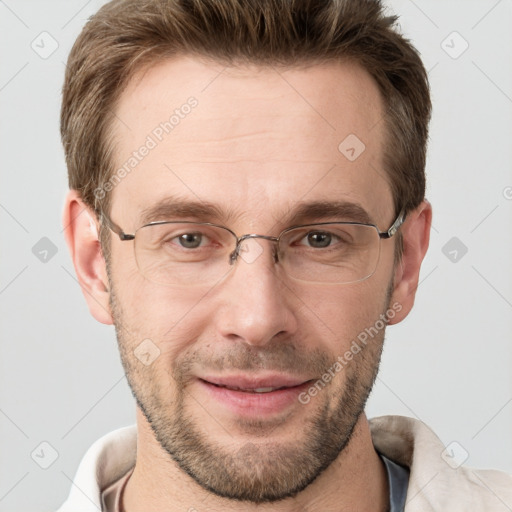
[[247, 208]]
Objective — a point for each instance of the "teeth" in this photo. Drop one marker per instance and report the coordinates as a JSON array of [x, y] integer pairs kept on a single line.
[[256, 390]]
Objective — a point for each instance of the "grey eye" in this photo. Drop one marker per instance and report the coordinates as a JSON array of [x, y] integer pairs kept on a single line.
[[319, 239], [190, 240]]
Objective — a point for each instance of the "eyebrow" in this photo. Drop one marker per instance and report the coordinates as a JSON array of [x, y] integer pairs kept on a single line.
[[329, 210], [175, 207], [171, 208]]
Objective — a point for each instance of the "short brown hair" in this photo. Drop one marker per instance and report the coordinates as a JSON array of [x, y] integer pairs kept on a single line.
[[128, 35]]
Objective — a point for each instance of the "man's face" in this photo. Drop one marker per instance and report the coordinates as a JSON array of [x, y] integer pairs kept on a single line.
[[259, 143]]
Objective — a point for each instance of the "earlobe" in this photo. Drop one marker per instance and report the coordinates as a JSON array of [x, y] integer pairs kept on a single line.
[[81, 233], [416, 236]]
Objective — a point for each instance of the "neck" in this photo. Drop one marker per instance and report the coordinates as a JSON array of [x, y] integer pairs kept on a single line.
[[356, 480]]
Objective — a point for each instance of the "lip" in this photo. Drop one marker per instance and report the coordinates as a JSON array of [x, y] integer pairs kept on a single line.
[[255, 382], [244, 401]]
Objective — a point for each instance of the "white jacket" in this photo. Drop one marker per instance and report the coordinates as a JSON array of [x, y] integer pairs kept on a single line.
[[435, 483]]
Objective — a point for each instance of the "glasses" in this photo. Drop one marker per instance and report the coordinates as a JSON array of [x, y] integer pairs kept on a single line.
[[186, 253]]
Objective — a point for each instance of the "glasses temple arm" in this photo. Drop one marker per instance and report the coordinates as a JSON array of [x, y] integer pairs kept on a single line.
[[395, 226], [115, 228]]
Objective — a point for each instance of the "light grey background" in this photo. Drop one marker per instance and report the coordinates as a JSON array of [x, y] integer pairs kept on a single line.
[[447, 364]]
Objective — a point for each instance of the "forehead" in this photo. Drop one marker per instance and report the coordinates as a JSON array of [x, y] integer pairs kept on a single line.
[[252, 140]]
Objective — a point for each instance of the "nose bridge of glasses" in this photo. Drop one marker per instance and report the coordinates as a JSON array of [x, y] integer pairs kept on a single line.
[[250, 236]]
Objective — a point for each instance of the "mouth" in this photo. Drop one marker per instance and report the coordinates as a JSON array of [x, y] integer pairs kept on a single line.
[[250, 390], [258, 396]]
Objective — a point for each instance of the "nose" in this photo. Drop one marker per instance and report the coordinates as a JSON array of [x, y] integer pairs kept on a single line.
[[255, 305]]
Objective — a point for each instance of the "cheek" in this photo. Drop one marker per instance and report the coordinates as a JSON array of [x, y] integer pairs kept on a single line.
[[170, 317], [145, 306], [340, 313]]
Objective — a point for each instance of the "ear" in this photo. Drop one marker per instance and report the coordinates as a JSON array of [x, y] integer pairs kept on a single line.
[[81, 233], [416, 236]]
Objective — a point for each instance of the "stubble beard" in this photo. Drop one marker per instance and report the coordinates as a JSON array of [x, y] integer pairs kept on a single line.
[[255, 471]]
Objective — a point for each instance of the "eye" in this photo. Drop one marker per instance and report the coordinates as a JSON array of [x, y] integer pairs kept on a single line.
[[320, 239], [183, 239], [190, 240]]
